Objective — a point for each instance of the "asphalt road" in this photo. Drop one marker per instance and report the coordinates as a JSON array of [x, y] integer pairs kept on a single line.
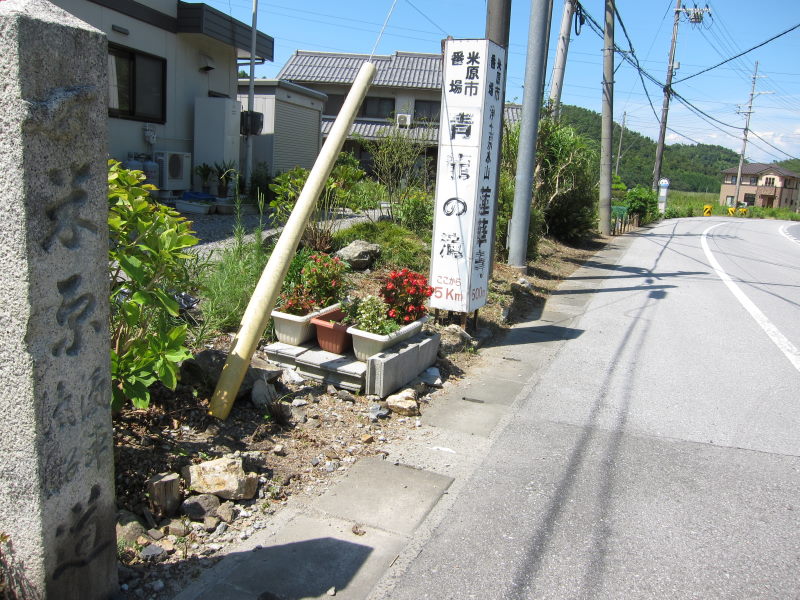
[[658, 454]]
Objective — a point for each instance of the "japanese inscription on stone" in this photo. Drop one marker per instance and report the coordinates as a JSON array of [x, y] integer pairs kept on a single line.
[[474, 76]]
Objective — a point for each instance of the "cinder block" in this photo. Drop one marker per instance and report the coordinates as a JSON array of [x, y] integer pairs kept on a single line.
[[285, 355], [389, 371], [341, 371]]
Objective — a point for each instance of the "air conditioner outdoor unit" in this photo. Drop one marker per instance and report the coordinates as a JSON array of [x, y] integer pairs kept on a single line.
[[403, 120], [174, 170]]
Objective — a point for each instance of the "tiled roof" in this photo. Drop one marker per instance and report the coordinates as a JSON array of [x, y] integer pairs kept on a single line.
[[758, 168], [372, 129], [401, 69]]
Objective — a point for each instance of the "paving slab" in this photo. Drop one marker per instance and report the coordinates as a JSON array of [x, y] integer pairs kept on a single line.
[[307, 558], [473, 417], [378, 493]]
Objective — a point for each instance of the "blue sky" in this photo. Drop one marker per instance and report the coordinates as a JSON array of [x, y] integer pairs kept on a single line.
[[734, 26]]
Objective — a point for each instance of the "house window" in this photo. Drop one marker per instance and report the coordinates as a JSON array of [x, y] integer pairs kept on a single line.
[[333, 104], [732, 179], [750, 199], [729, 200], [137, 85], [426, 110], [769, 181], [377, 108], [789, 183], [754, 181]]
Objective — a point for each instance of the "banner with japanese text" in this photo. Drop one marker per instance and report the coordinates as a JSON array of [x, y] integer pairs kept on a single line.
[[469, 131]]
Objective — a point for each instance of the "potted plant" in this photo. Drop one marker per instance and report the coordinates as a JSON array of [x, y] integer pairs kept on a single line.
[[204, 171], [398, 315], [314, 292], [332, 334], [226, 172]]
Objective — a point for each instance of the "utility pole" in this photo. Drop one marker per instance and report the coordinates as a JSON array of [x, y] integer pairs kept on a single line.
[[619, 148], [561, 57], [607, 121], [498, 23], [747, 114], [526, 156], [695, 16], [248, 147]]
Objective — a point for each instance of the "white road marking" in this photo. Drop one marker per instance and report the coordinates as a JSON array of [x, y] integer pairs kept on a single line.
[[781, 341], [785, 233]]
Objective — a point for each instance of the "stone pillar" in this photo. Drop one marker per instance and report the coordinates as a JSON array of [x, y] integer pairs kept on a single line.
[[56, 444]]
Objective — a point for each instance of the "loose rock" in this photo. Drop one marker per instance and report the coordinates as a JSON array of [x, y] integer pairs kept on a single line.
[[129, 528], [226, 512], [199, 507], [263, 393], [359, 254], [223, 477], [152, 551], [279, 450], [404, 403], [290, 376], [432, 376]]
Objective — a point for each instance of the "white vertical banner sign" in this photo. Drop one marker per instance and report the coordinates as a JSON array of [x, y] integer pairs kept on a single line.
[[469, 132]]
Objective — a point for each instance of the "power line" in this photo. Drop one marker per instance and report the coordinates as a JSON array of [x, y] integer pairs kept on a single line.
[[775, 37], [772, 146], [426, 17]]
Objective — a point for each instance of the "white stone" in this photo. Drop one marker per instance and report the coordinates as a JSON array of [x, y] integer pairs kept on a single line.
[[223, 477], [404, 403]]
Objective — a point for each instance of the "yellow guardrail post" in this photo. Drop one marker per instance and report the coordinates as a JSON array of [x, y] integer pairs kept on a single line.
[[262, 302], [707, 208]]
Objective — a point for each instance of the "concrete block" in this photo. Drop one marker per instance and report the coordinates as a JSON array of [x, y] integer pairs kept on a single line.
[[285, 355], [388, 371], [336, 369], [56, 440]]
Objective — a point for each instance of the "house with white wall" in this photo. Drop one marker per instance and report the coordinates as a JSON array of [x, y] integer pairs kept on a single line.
[[291, 135], [163, 57]]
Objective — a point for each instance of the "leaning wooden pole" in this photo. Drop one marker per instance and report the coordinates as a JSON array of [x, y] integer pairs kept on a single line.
[[263, 300]]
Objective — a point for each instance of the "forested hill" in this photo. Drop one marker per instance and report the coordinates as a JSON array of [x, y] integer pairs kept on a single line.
[[793, 164], [688, 167]]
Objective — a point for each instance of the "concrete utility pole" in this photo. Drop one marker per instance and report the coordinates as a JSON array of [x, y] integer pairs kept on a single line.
[[749, 111], [529, 129], [561, 57], [607, 122], [498, 24], [251, 90], [695, 16], [619, 148]]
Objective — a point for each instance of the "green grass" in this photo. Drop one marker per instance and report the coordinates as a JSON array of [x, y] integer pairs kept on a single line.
[[690, 204], [400, 247]]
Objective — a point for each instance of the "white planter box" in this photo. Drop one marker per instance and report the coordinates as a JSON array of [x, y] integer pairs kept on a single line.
[[295, 330], [197, 208], [367, 344]]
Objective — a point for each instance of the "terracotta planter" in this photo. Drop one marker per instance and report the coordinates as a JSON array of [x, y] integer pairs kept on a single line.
[[294, 329], [332, 336], [367, 344]]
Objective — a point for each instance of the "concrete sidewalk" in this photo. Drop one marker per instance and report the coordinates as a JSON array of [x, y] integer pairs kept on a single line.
[[312, 551]]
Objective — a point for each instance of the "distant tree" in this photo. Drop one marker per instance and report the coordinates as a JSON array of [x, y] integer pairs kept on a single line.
[[243, 74]]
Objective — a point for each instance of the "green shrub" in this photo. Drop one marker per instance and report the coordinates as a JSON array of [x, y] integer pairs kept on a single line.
[[399, 246], [414, 210], [335, 196], [148, 265], [643, 202]]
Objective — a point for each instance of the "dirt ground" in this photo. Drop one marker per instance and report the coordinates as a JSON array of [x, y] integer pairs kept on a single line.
[[296, 455]]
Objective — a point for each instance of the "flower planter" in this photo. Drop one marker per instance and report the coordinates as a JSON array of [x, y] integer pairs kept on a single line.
[[294, 329], [367, 344], [332, 336]]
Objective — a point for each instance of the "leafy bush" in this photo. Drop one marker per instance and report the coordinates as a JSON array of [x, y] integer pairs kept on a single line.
[[414, 210], [148, 266], [335, 196], [643, 202], [672, 213], [399, 246]]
